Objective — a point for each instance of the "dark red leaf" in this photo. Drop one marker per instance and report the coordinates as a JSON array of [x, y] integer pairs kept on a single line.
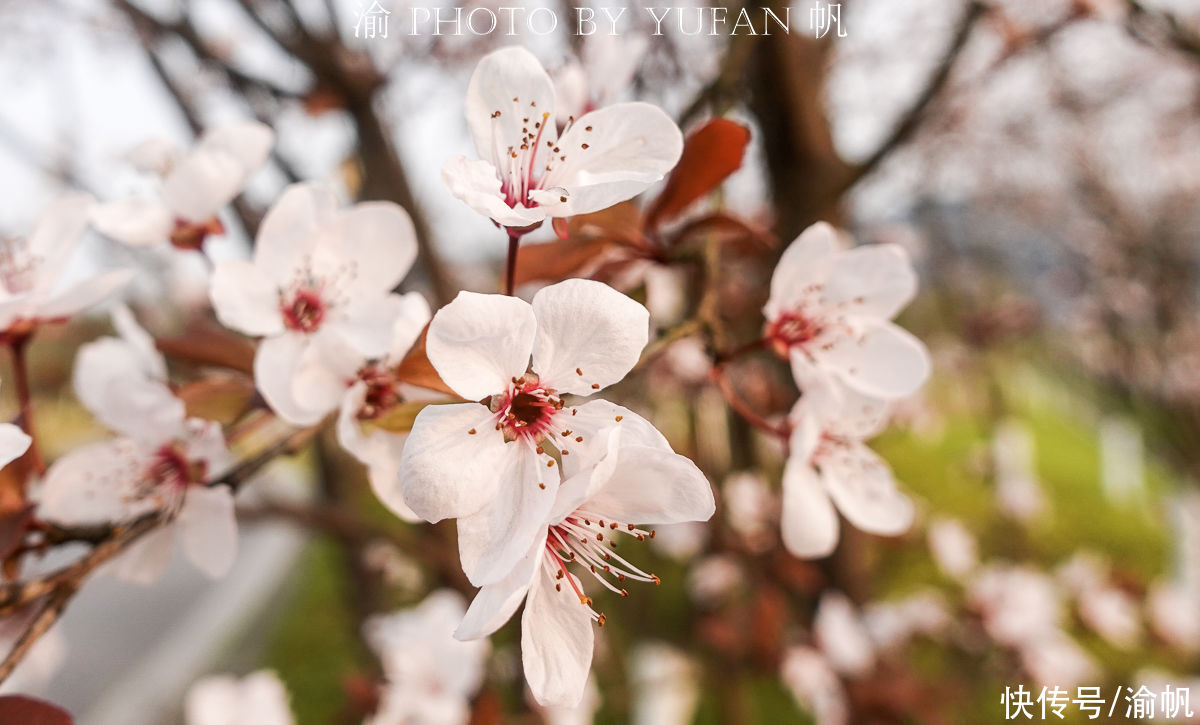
[[28, 711], [13, 525], [710, 154], [557, 260], [415, 368]]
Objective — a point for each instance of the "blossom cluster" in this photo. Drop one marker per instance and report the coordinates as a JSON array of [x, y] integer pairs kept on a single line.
[[510, 436]]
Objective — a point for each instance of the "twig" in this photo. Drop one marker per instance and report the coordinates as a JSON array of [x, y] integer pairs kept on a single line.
[[41, 624], [740, 407]]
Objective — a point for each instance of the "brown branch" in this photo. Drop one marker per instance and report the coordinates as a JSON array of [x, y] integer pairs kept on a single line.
[[45, 619], [911, 119]]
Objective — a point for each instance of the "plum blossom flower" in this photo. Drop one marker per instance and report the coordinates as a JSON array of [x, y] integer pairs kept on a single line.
[[431, 676], [829, 464], [257, 699], [372, 395], [195, 186], [842, 636], [31, 271], [953, 548], [319, 292], [813, 683], [527, 171], [638, 481], [161, 461], [829, 313], [495, 464]]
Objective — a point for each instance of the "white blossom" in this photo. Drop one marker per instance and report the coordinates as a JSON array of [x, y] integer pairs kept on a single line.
[[195, 186], [257, 699], [161, 461], [527, 171]]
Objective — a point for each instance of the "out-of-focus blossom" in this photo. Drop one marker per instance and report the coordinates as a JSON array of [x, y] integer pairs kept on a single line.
[[830, 311], [1107, 610], [257, 699], [893, 623], [1022, 608], [1019, 604], [839, 631], [715, 578], [751, 509], [372, 395], [527, 172], [1171, 609], [31, 271], [666, 685], [431, 676], [638, 481], [829, 464], [319, 292], [495, 464], [815, 685], [1017, 489], [953, 548], [681, 541], [162, 461], [195, 186], [605, 69]]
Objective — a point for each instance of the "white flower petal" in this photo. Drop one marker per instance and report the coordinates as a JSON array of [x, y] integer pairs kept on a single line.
[[275, 364], [477, 184], [377, 240], [57, 234], [13, 443], [289, 231], [556, 644], [113, 382], [884, 361], [144, 562], [81, 296], [808, 522], [495, 603], [367, 324], [839, 631], [245, 298], [861, 485], [805, 262], [208, 529], [154, 156], [493, 539], [325, 368], [593, 422], [411, 317], [447, 472], [136, 222], [588, 335], [876, 280], [89, 484], [512, 81], [201, 183], [642, 485], [479, 343], [614, 154], [248, 142]]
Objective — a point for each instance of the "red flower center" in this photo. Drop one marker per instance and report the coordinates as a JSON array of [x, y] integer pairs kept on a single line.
[[527, 410], [304, 311], [171, 468], [792, 329]]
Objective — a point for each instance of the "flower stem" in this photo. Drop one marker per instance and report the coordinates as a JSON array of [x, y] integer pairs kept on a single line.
[[510, 269], [740, 407], [25, 400]]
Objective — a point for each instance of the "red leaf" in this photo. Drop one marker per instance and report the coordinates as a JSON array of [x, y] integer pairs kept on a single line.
[[12, 529], [561, 229], [555, 261], [28, 711], [710, 154], [415, 368]]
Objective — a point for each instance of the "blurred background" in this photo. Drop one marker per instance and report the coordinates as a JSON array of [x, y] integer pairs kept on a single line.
[[1040, 160]]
